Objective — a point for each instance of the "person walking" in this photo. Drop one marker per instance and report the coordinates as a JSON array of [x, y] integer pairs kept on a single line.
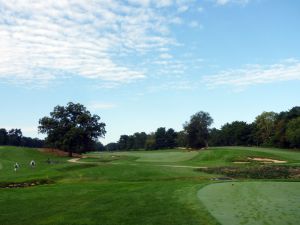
[[32, 164], [16, 167]]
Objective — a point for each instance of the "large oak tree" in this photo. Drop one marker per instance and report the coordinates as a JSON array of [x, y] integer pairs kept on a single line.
[[72, 128]]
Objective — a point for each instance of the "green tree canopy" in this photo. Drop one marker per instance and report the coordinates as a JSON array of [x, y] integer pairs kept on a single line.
[[3, 136], [197, 130], [265, 124], [15, 137], [72, 128], [293, 132]]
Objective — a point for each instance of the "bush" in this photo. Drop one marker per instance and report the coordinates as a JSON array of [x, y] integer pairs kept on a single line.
[[259, 172]]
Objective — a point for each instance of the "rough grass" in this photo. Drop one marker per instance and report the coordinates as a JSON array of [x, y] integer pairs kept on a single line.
[[256, 203], [256, 172]]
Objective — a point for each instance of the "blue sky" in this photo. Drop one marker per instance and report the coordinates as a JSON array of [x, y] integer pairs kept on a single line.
[[144, 64]]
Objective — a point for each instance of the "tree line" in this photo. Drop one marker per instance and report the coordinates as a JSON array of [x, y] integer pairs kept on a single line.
[[269, 129], [161, 139], [14, 137], [73, 128], [195, 134]]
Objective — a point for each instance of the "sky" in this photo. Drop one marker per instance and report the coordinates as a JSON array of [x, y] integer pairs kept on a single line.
[[144, 64]]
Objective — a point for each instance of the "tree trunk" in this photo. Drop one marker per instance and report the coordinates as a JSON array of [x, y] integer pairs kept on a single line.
[[70, 153]]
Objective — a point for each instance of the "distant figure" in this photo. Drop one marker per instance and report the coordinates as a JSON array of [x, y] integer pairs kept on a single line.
[[32, 164], [16, 167]]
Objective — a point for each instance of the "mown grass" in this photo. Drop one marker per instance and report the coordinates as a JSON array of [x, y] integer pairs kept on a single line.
[[172, 156], [256, 203], [116, 188], [104, 203]]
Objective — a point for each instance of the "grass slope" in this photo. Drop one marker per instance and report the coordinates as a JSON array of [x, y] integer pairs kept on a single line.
[[10, 155]]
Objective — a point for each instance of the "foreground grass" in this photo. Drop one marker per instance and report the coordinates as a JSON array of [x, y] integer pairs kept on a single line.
[[119, 188], [254, 203], [105, 204], [100, 193]]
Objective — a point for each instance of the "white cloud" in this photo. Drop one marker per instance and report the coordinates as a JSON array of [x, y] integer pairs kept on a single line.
[[163, 3], [225, 2], [286, 70], [165, 56], [140, 2], [194, 24], [176, 20], [183, 8], [41, 41]]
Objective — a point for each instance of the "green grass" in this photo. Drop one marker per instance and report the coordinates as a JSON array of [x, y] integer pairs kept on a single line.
[[106, 203], [151, 156], [143, 187], [10, 155], [273, 203]]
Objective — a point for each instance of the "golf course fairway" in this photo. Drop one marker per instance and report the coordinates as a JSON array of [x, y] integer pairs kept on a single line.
[[253, 202]]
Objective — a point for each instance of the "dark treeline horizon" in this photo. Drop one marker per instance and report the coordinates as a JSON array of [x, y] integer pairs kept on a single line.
[[14, 137], [269, 129]]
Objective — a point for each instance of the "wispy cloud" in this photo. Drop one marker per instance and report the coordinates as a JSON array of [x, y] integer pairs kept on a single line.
[[225, 2], [41, 41], [183, 8], [166, 56], [285, 70], [195, 24]]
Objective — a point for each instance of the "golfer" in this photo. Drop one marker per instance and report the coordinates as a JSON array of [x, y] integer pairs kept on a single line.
[[16, 167], [32, 164]]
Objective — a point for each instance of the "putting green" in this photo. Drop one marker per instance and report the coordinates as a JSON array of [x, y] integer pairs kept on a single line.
[[253, 202]]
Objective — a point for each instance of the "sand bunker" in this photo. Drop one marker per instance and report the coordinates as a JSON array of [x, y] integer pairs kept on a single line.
[[267, 160], [262, 160]]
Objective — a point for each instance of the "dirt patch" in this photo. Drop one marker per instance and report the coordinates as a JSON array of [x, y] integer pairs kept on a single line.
[[267, 160], [58, 152]]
